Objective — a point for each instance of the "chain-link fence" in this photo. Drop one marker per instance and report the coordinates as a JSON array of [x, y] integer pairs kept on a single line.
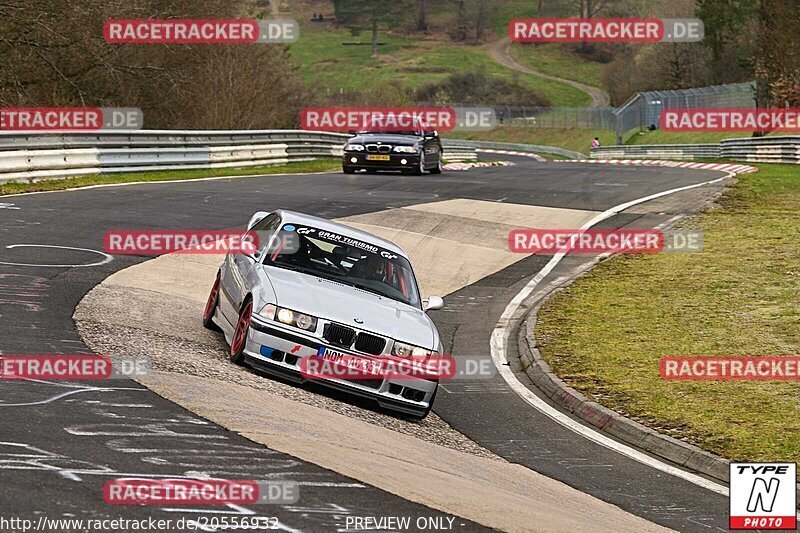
[[557, 117], [643, 110]]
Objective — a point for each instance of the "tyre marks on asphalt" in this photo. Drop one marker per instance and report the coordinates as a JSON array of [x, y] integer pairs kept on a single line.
[[143, 440]]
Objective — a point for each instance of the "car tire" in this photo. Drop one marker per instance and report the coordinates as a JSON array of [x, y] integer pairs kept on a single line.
[[420, 170], [239, 338], [211, 306], [438, 168], [348, 170]]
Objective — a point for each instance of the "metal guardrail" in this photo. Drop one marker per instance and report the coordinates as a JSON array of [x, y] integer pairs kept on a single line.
[[770, 149], [779, 149], [533, 148], [41, 155], [658, 151], [459, 154], [32, 156]]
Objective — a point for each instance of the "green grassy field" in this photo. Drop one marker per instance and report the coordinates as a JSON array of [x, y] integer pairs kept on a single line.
[[330, 67], [559, 60], [606, 334], [319, 165]]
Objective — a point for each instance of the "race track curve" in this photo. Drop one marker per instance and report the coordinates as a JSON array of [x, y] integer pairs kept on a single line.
[[122, 428]]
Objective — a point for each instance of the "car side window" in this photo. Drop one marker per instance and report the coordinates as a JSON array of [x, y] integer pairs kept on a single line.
[[264, 230]]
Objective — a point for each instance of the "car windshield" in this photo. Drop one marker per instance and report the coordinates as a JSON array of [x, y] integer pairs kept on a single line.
[[346, 260]]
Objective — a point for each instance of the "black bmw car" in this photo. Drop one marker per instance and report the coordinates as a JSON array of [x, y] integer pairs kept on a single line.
[[411, 152]]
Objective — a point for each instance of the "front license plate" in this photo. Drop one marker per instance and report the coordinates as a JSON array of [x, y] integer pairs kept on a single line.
[[378, 158], [355, 362], [331, 354]]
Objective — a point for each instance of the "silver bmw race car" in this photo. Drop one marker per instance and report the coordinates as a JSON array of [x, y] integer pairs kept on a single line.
[[318, 289]]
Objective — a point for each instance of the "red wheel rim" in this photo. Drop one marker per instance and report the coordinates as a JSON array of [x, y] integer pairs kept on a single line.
[[212, 300], [242, 326]]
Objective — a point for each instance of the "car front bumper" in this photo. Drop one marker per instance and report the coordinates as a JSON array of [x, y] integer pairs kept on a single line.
[[395, 161], [276, 350]]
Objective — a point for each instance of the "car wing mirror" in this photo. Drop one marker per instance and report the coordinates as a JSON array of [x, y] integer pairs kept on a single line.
[[256, 218], [432, 303]]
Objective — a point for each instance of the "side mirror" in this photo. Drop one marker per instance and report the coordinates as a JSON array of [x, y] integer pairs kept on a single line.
[[432, 303], [256, 218]]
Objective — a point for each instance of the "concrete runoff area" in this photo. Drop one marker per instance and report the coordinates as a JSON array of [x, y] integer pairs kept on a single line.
[[472, 484]]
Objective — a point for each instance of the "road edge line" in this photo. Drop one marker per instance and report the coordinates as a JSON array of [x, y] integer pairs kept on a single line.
[[510, 319]]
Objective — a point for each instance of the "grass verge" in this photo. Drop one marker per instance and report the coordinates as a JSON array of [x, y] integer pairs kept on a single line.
[[606, 334], [319, 165]]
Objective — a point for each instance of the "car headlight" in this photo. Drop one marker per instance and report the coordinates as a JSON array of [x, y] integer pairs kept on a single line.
[[287, 316], [406, 149], [354, 148], [409, 350]]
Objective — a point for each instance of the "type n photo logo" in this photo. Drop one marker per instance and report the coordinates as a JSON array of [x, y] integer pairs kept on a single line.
[[763, 496]]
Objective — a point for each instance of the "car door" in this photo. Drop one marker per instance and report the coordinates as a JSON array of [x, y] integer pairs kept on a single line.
[[433, 148], [238, 275]]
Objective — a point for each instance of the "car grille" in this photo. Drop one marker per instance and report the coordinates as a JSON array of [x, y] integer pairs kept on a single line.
[[339, 335], [379, 149], [370, 344], [345, 337], [371, 383]]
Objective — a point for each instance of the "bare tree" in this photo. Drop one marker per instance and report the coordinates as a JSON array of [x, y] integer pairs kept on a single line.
[[54, 54], [422, 15], [371, 15]]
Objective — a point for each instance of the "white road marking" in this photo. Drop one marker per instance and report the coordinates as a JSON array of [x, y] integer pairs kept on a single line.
[[7, 206], [106, 257], [502, 330]]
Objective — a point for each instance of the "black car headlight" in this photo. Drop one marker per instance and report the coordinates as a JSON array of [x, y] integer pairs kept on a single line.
[[406, 149], [353, 147], [287, 316]]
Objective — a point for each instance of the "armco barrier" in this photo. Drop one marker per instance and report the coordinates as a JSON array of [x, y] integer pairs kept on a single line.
[[779, 149], [531, 148], [770, 149], [658, 151], [32, 156]]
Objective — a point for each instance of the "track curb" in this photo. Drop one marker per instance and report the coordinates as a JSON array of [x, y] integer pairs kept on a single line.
[[603, 418], [606, 420]]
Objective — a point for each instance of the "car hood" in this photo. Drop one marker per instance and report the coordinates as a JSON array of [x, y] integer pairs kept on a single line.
[[396, 140], [342, 303]]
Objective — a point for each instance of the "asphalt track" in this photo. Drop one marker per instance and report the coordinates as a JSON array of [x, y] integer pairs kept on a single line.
[[56, 451]]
